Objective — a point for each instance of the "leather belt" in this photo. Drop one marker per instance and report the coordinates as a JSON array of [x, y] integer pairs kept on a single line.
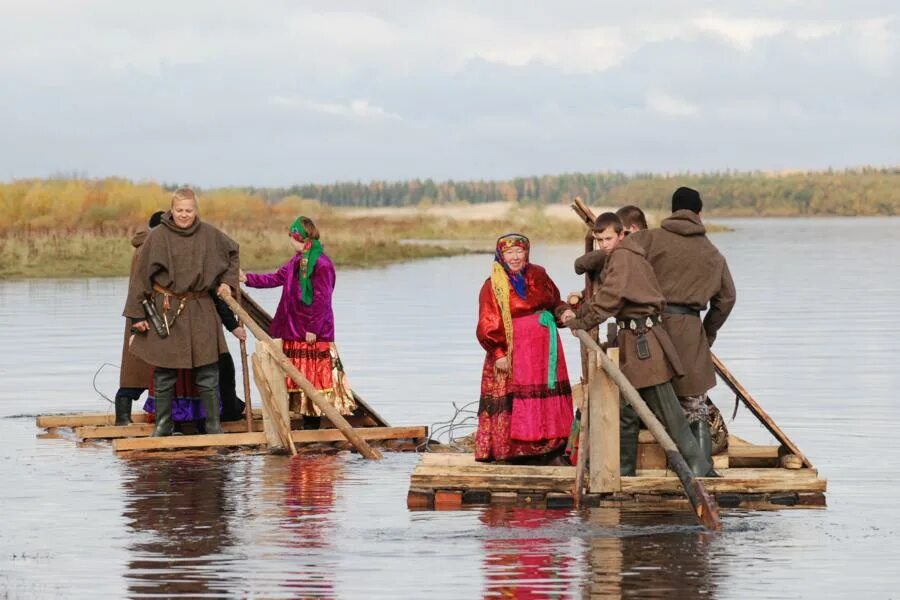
[[167, 292], [639, 323], [681, 309]]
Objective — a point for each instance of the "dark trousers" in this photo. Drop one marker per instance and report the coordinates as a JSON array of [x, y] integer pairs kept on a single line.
[[206, 379], [132, 393]]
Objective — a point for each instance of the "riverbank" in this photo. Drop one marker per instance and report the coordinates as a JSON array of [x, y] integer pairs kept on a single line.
[[353, 237]]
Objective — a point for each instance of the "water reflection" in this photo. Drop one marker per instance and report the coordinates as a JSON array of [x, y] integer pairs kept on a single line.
[[179, 513], [523, 565], [300, 494], [630, 555]]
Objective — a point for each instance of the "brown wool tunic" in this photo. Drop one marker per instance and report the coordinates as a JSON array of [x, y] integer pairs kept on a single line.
[[190, 261], [134, 372], [693, 273], [630, 290]]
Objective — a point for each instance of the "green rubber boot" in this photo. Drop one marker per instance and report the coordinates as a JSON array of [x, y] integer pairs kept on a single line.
[[164, 390], [662, 401], [700, 429], [629, 428]]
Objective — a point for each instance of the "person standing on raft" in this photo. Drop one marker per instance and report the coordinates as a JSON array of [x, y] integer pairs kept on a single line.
[[182, 261], [525, 408], [304, 320]]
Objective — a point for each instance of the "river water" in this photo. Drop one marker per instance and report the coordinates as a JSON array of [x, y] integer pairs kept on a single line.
[[815, 336]]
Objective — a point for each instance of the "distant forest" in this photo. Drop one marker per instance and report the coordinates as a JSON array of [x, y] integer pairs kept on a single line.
[[867, 191]]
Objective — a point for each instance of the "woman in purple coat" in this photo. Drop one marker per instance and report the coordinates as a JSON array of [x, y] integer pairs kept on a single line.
[[304, 321]]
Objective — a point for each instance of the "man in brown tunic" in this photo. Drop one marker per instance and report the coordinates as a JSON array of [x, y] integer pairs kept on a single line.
[[692, 274], [134, 374], [182, 261], [630, 293]]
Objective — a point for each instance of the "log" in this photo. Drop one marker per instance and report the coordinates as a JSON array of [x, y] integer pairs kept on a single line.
[[273, 391], [288, 367], [258, 438], [703, 505], [757, 410], [583, 449]]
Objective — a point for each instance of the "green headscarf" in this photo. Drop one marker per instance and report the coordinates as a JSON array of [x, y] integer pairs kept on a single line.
[[310, 257]]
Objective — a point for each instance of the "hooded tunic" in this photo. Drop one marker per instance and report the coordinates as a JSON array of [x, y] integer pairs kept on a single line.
[[693, 273], [134, 373], [192, 261], [630, 290]]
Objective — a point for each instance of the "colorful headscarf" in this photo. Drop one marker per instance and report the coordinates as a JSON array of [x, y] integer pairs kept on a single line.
[[501, 279], [308, 262], [504, 243]]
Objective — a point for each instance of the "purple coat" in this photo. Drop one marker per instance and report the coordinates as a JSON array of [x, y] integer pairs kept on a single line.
[[293, 318]]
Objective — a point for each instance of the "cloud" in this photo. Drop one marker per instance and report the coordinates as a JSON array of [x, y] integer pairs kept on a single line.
[[220, 91], [356, 109]]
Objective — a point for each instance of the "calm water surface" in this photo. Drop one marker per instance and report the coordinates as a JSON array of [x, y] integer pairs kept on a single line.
[[815, 336]]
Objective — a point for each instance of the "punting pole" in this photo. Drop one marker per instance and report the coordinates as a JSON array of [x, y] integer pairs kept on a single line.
[[704, 507], [313, 394], [248, 410]]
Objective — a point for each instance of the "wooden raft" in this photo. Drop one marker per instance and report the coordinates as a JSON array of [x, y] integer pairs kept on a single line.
[[272, 426], [447, 481]]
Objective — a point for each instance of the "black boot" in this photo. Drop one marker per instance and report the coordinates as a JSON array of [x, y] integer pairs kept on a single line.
[[123, 410], [662, 401], [164, 389], [629, 428], [700, 429]]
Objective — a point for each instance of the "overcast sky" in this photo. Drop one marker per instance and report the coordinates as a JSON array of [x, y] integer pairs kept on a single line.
[[217, 92]]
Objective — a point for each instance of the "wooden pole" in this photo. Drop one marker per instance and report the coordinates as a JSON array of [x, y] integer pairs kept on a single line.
[[757, 410], [583, 443], [248, 409], [278, 422], [704, 508], [313, 394]]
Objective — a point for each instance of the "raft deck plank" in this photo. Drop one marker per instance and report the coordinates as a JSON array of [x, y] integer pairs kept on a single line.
[[258, 438], [98, 419], [461, 471]]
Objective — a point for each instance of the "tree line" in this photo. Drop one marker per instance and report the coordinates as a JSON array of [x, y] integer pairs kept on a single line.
[[867, 191], [61, 204]]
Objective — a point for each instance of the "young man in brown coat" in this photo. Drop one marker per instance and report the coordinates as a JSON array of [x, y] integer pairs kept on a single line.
[[182, 261], [630, 293], [692, 274]]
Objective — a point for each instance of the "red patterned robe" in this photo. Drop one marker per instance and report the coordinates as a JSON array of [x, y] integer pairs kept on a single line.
[[519, 414]]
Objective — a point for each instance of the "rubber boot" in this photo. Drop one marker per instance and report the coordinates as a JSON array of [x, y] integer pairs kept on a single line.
[[629, 428], [164, 390], [123, 411], [211, 406], [164, 425], [700, 429], [206, 378], [662, 401]]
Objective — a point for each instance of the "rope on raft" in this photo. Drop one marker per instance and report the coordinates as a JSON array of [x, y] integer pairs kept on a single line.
[[464, 418]]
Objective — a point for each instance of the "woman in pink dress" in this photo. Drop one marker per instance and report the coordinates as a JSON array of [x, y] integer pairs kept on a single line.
[[526, 400]]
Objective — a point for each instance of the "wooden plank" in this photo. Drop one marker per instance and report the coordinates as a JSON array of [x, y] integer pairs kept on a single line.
[[96, 419], [86, 419], [258, 438], [757, 410], [273, 390], [109, 432], [603, 447]]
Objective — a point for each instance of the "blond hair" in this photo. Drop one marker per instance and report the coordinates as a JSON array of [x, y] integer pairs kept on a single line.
[[184, 193]]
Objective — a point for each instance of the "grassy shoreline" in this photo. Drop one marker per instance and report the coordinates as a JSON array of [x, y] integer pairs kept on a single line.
[[352, 238]]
